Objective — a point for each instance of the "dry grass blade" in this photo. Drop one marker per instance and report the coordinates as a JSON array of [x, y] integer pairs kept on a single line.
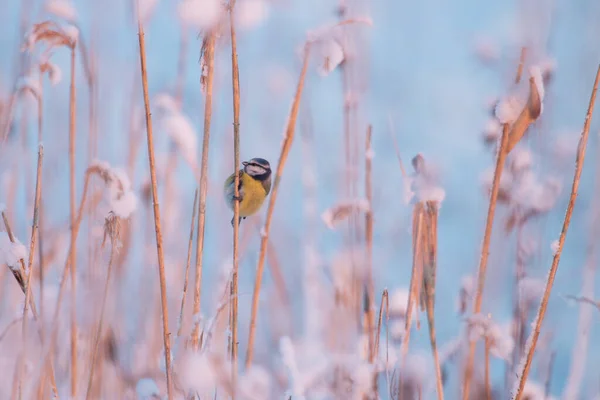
[[521, 65], [416, 274], [73, 248], [370, 314], [159, 239], [111, 229], [287, 144], [18, 274], [208, 48], [384, 302], [235, 83], [34, 232], [187, 265], [581, 149], [428, 291], [529, 114], [485, 251]]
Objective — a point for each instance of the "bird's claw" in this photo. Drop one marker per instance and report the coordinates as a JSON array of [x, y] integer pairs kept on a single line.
[[237, 198]]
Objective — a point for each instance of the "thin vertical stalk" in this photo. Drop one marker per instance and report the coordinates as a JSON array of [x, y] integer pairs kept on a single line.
[[101, 322], [187, 265], [157, 226], [488, 386], [19, 278], [580, 350], [20, 66], [384, 302], [287, 144], [73, 249], [233, 320], [235, 83], [40, 243], [209, 57], [581, 149], [34, 231], [370, 314], [485, 251]]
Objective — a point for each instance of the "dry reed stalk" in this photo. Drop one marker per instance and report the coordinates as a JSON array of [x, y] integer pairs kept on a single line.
[[65, 274], [581, 149], [370, 312], [112, 229], [485, 250], [157, 226], [92, 149], [20, 66], [428, 290], [416, 274], [19, 278], [528, 115], [586, 314], [374, 353], [40, 220], [28, 272], [187, 265], [521, 65], [518, 312], [488, 386], [235, 83], [72, 200], [208, 46], [285, 149], [384, 302]]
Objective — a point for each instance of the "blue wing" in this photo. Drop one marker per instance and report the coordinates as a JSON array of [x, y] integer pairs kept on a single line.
[[228, 188]]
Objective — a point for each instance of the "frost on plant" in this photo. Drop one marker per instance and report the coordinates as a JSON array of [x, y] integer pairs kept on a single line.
[[509, 108], [425, 181], [255, 384], [332, 55], [119, 194], [145, 9], [342, 210], [178, 127], [62, 9], [199, 14], [251, 13], [198, 373], [499, 340], [11, 253]]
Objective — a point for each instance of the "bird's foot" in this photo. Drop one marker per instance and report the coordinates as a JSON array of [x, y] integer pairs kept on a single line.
[[239, 220], [238, 198]]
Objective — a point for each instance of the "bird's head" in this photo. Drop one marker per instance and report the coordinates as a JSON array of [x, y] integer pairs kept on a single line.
[[258, 168]]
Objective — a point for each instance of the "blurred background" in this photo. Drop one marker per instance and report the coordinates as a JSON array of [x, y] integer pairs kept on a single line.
[[425, 75]]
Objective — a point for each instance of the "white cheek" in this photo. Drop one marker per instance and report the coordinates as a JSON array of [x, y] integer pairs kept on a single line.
[[255, 170]]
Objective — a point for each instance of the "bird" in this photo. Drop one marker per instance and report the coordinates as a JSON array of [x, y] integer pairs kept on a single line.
[[254, 187]]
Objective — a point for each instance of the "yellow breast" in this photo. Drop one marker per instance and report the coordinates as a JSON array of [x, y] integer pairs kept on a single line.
[[254, 196]]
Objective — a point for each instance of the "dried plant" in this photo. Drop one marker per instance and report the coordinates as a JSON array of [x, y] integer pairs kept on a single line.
[[156, 209], [532, 341], [285, 149], [208, 60]]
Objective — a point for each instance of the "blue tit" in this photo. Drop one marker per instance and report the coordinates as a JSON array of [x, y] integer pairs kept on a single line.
[[254, 186]]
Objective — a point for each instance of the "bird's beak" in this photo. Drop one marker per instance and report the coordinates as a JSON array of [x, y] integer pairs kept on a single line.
[[244, 163]]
